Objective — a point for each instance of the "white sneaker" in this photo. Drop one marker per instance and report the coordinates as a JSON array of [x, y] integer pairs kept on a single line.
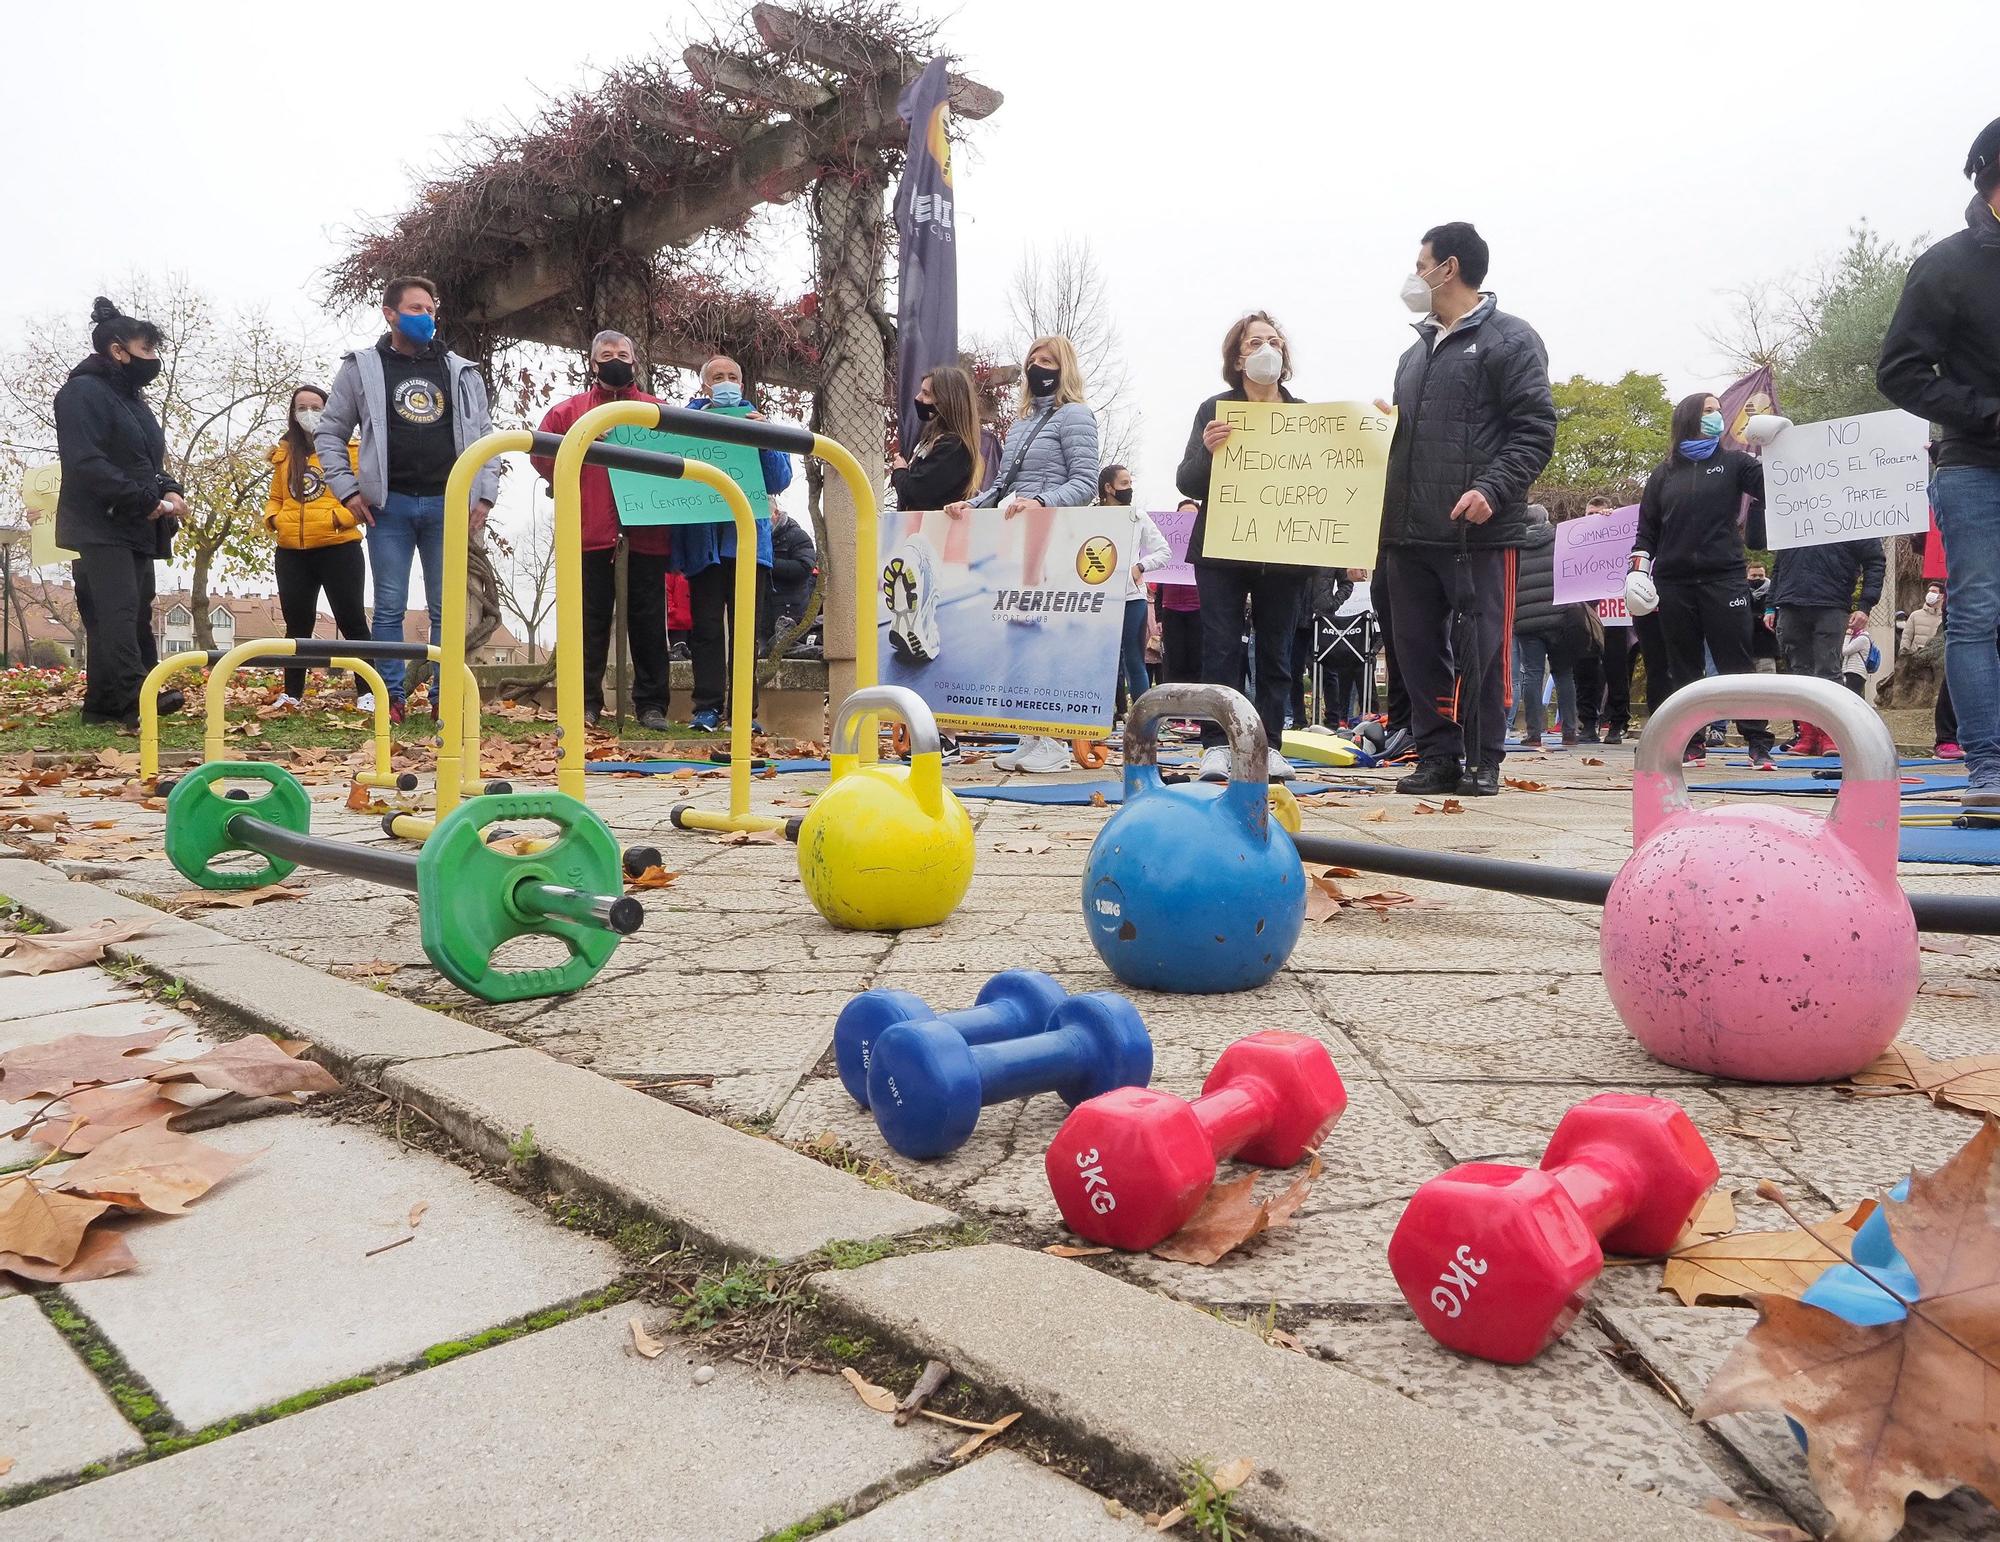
[[1047, 755], [365, 702], [1214, 765], [1277, 768], [1010, 760], [910, 586], [285, 703]]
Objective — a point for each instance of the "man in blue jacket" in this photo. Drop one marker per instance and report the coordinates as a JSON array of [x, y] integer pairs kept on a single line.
[[1476, 425], [706, 554], [1941, 361]]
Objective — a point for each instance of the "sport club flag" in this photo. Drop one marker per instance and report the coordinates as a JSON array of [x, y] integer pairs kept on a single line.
[[1756, 392], [926, 229]]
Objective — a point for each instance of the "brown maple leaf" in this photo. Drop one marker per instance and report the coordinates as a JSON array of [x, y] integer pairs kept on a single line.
[[1522, 784], [1970, 1083], [654, 877], [49, 952], [1230, 1217], [103, 1252], [85, 1120], [1900, 1408], [252, 1065], [44, 1223], [1742, 1265], [59, 1067], [151, 1168]]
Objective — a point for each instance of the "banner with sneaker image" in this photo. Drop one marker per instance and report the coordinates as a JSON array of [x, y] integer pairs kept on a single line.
[[1008, 625]]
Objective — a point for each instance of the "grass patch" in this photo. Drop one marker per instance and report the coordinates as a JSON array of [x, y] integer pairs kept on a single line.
[[135, 1398], [827, 1148], [452, 1349], [714, 1299], [811, 1526], [167, 1445], [841, 1347], [1208, 1509]]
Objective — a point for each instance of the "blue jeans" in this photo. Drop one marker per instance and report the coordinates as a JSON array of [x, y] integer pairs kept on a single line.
[[404, 527], [1132, 652], [1532, 660], [1967, 501]]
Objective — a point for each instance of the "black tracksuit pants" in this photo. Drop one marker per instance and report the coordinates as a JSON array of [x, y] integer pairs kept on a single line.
[[1277, 596], [1180, 646], [1396, 707], [645, 626], [114, 599], [1715, 611], [712, 598], [342, 571], [1425, 587]]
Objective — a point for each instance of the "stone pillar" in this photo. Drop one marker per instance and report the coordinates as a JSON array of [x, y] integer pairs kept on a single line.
[[847, 405]]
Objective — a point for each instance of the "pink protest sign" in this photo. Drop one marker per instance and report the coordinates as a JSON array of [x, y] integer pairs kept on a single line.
[[1592, 554], [1176, 527]]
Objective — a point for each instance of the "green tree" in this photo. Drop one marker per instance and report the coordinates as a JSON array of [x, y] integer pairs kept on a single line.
[[1609, 437], [221, 400]]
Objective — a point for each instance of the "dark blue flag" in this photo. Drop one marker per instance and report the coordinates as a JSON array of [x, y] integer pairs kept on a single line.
[[927, 225]]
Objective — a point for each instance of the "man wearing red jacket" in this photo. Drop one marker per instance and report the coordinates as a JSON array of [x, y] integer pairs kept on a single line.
[[613, 371]]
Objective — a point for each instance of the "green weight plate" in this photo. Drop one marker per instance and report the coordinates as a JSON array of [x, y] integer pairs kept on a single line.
[[466, 890], [198, 816]]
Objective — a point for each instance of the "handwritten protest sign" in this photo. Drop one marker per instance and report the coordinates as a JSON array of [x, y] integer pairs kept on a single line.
[[1299, 482], [1592, 554], [1176, 527], [650, 500], [40, 487], [1847, 479]]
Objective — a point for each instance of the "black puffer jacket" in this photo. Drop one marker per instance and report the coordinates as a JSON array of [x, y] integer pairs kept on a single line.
[[1691, 515], [1826, 575], [1536, 613], [113, 452], [794, 561], [1476, 413], [1941, 354]]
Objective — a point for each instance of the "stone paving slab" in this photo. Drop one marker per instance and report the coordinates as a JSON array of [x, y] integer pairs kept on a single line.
[[32, 996], [54, 1417], [563, 1433], [736, 1192], [1686, 1346], [997, 1498], [1159, 1382], [264, 1290], [128, 1013]]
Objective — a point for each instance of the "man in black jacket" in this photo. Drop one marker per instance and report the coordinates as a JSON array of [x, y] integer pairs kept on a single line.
[[1941, 361], [1477, 424], [1814, 593], [794, 565]]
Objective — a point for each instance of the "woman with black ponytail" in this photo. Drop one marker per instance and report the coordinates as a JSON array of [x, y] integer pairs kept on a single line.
[[118, 509]]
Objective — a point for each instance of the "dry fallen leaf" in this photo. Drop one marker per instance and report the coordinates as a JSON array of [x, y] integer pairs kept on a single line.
[[6, 1465], [151, 1168], [61, 1066], [1030, 848], [960, 1452], [1064, 1250], [654, 877], [40, 824], [103, 1253], [881, 1399], [1970, 1083], [47, 952], [252, 1065], [361, 800], [1951, 947], [1379, 817], [1715, 1216], [1897, 1408], [642, 1341], [44, 1224], [1522, 784], [1592, 760], [1741, 1265], [232, 899], [95, 1114], [1229, 1217], [1097, 800], [749, 838], [417, 1212]]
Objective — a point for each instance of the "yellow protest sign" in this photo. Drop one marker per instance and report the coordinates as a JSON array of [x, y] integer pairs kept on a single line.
[[40, 486], [1299, 482]]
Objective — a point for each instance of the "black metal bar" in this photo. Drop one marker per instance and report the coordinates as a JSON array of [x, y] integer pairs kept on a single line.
[[1972, 915], [317, 650], [397, 869], [616, 457]]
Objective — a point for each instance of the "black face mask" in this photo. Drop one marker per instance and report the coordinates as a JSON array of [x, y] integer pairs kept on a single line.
[[140, 373], [925, 411], [1122, 495], [1042, 381], [615, 374]]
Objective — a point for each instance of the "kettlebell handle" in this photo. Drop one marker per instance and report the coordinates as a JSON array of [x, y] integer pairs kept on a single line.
[[1866, 812], [1249, 748], [897, 701]]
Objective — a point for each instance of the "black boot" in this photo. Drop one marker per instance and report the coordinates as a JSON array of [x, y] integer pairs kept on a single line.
[[1614, 736], [1481, 782], [1433, 777], [170, 702]]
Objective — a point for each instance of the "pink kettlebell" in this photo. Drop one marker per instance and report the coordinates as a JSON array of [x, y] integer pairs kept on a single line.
[[1765, 944]]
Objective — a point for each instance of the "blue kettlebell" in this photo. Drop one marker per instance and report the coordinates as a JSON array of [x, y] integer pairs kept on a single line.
[[1194, 888]]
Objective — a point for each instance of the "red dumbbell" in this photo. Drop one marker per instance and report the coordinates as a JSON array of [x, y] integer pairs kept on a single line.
[[1130, 1167], [1496, 1261]]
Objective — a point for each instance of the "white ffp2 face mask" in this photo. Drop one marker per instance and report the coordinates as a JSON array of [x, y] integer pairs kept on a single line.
[[1265, 364], [308, 419], [1417, 294]]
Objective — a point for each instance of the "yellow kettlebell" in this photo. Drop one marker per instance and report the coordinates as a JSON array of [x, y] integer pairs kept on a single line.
[[886, 847]]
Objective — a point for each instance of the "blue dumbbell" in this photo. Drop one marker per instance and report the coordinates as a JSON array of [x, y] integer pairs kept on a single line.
[[1848, 1293], [1012, 1003], [926, 1084]]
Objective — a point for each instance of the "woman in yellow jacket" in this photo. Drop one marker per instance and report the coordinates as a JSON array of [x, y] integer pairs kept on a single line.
[[319, 541]]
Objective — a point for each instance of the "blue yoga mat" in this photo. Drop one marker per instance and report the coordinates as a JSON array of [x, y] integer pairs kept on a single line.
[[1943, 843], [1832, 762], [668, 767], [1066, 793], [1914, 784]]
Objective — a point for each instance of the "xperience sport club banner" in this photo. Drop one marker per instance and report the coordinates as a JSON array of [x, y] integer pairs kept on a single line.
[[1020, 631]]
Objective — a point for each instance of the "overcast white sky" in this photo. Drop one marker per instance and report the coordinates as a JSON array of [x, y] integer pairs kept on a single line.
[[1628, 165]]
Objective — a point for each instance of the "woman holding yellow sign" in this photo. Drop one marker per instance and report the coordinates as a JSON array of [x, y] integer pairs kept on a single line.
[[1256, 363]]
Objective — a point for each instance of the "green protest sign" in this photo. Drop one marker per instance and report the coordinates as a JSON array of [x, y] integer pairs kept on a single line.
[[650, 500]]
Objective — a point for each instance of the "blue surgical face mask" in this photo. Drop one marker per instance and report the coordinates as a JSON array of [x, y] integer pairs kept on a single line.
[[1711, 425], [726, 393], [417, 327]]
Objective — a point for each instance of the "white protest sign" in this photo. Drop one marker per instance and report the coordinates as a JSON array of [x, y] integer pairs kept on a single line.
[[1612, 612], [1847, 479]]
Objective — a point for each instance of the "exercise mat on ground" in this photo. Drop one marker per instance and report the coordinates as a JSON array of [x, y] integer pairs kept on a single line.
[[1066, 793], [1947, 843], [669, 767], [1916, 785], [1832, 762]]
